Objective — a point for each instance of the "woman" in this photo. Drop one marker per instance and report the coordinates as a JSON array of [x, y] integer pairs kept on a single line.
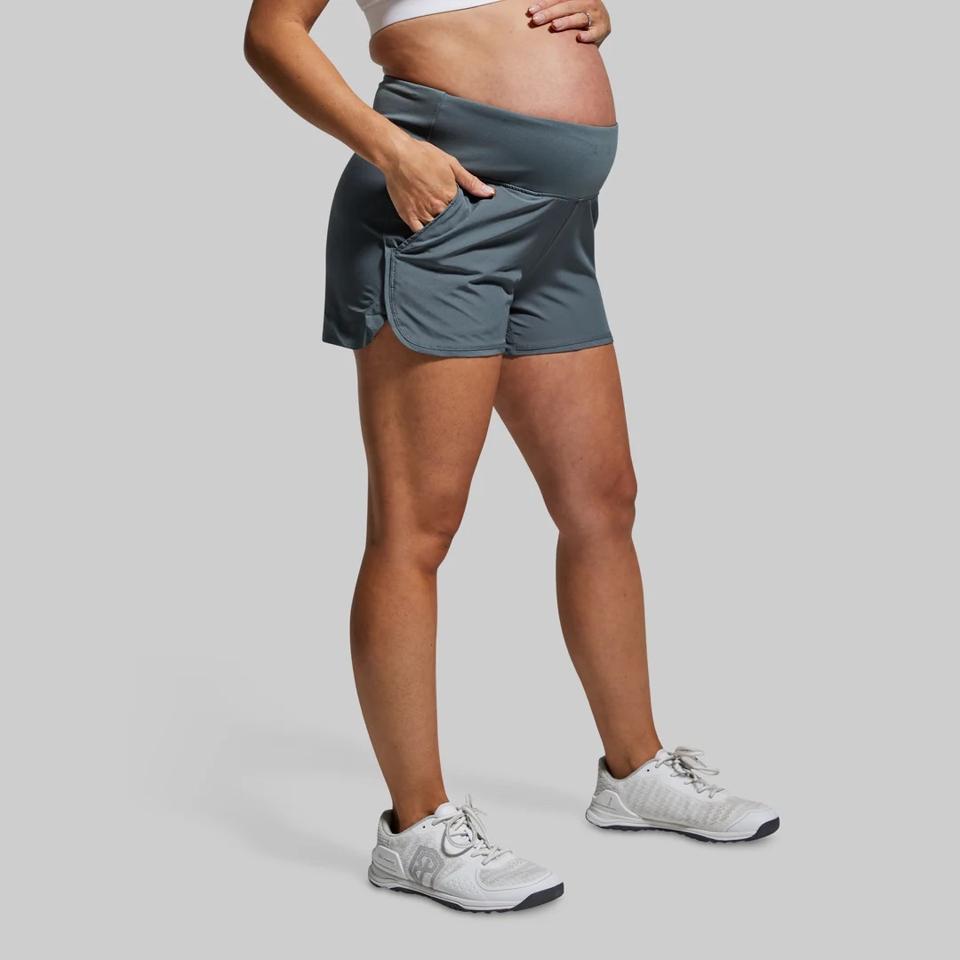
[[460, 269]]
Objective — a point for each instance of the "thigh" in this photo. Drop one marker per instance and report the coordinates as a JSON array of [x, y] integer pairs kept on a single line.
[[424, 421], [565, 412]]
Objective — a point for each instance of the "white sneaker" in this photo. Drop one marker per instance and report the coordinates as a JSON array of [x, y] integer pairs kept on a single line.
[[448, 858], [670, 793]]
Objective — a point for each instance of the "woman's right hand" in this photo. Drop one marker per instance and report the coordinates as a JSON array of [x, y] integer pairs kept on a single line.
[[422, 182]]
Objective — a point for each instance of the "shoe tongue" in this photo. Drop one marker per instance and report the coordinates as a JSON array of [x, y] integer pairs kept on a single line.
[[445, 810], [662, 754]]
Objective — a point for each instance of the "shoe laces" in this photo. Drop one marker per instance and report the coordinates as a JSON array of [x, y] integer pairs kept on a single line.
[[687, 763], [464, 833]]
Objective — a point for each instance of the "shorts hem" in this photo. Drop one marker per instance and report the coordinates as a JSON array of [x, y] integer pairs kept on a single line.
[[443, 351], [390, 310], [569, 347], [415, 347]]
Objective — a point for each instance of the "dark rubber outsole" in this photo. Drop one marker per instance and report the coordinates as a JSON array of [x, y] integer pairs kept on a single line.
[[771, 826], [534, 900]]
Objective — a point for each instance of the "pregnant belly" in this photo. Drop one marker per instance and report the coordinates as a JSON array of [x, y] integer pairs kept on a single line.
[[492, 54]]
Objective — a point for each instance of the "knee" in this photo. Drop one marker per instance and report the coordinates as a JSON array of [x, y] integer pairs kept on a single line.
[[606, 507], [419, 539], [428, 545]]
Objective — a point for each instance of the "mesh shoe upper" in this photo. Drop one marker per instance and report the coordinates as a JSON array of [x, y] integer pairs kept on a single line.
[[449, 853], [669, 790], [511, 871]]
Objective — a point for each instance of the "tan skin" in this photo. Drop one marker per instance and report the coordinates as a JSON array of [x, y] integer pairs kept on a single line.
[[565, 411]]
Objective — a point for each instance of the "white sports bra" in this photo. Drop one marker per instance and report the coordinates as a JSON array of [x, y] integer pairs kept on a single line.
[[381, 13]]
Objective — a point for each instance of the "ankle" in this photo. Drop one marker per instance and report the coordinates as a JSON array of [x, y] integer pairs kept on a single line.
[[623, 759], [411, 810]]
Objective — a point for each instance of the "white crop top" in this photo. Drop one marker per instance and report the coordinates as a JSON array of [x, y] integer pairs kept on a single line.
[[381, 13]]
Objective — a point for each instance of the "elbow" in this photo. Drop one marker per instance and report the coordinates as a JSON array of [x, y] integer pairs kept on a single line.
[[256, 44]]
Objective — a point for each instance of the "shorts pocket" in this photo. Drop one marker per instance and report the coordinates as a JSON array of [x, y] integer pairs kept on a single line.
[[437, 223], [448, 288], [443, 290]]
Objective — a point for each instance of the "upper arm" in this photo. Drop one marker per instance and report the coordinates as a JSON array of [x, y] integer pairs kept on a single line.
[[265, 13]]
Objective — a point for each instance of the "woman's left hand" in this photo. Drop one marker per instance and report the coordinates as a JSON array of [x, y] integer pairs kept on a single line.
[[588, 17]]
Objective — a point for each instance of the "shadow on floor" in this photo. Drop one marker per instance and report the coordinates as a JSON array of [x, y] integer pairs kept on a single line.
[[241, 774]]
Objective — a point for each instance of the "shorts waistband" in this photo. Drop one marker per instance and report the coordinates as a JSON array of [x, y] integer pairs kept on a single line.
[[550, 157]]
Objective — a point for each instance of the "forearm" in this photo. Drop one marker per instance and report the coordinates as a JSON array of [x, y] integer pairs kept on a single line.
[[296, 69]]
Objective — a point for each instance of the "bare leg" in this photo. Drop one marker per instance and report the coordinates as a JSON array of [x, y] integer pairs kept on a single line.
[[424, 423], [565, 412]]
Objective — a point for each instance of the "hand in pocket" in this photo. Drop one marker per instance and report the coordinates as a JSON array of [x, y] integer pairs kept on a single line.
[[422, 182]]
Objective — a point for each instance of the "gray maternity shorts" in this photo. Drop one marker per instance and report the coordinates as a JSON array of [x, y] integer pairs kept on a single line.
[[513, 274]]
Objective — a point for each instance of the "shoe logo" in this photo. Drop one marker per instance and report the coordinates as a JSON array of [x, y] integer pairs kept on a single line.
[[425, 866]]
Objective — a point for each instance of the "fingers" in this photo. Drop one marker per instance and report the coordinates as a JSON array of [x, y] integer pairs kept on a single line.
[[543, 5], [556, 11], [587, 16], [418, 203], [576, 21], [593, 35], [416, 219], [473, 185]]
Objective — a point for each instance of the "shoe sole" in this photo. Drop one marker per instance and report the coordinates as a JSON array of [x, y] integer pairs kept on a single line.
[[765, 829], [534, 900]]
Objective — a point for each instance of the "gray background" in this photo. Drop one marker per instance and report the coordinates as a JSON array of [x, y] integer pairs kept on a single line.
[[186, 772]]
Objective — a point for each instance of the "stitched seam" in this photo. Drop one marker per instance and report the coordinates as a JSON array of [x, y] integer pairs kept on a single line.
[[536, 193], [569, 343], [573, 209]]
